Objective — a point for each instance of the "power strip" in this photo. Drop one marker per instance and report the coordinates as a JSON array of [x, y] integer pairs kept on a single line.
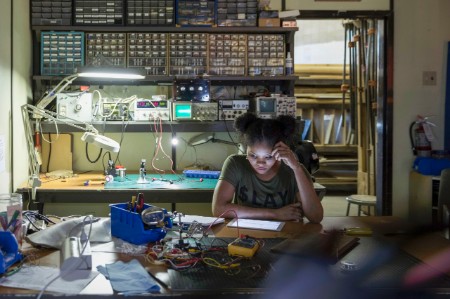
[[73, 257]]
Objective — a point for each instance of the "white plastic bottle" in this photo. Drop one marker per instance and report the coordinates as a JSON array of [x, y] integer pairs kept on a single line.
[[289, 64]]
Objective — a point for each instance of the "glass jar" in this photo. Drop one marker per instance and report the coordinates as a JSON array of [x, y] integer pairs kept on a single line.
[[11, 215]]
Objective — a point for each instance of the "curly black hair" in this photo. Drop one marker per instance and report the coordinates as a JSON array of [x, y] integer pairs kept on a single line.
[[253, 129]]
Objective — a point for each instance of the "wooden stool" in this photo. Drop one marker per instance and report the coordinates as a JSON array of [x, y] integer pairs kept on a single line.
[[361, 200]]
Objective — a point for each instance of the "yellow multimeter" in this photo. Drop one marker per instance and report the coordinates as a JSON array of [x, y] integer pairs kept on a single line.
[[245, 247]]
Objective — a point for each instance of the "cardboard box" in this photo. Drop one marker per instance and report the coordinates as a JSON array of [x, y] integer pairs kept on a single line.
[[272, 22], [289, 23]]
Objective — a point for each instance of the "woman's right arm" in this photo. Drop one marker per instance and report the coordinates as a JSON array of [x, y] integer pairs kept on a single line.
[[222, 198]]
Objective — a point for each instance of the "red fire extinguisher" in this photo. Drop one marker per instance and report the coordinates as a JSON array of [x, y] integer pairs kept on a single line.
[[420, 144]]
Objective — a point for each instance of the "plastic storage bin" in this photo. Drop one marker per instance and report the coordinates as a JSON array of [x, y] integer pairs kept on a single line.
[[10, 251], [206, 174], [430, 166], [128, 225]]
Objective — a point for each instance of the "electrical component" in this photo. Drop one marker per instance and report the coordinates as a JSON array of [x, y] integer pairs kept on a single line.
[[77, 105], [245, 247], [202, 111], [115, 111], [145, 110], [192, 90]]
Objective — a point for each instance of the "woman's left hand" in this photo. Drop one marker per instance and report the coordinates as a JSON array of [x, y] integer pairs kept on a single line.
[[282, 152]]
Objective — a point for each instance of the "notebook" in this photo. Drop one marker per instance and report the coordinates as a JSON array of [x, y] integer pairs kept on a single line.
[[330, 247], [257, 224]]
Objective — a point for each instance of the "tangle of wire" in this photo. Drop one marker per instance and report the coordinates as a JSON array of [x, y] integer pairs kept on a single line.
[[204, 253]]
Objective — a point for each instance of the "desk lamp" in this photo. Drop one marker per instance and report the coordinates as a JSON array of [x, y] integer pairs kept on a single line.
[[91, 134]]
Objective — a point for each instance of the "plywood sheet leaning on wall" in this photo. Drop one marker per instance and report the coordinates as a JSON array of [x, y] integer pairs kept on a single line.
[[56, 155]]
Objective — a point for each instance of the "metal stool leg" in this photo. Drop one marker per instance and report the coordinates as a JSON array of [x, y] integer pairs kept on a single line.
[[359, 210], [348, 208]]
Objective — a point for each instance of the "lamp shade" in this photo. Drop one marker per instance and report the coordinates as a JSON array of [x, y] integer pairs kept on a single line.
[[101, 141]]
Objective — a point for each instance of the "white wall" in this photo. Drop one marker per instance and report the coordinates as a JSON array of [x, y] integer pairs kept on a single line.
[[421, 33], [319, 42], [336, 5], [22, 66], [11, 128], [137, 146], [5, 96]]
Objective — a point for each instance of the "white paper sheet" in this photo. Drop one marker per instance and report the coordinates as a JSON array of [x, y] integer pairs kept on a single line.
[[257, 224], [36, 277]]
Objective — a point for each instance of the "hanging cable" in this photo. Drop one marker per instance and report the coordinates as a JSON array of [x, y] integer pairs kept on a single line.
[[87, 154]]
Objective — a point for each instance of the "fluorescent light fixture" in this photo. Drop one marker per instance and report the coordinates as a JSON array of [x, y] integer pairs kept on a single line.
[[111, 73], [92, 72]]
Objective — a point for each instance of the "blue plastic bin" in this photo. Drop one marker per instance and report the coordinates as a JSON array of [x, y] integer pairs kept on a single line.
[[128, 225], [10, 251], [430, 166], [205, 174]]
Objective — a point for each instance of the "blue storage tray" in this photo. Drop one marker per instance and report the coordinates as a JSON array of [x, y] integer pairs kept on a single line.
[[206, 174], [10, 251], [430, 166], [62, 52], [128, 225]]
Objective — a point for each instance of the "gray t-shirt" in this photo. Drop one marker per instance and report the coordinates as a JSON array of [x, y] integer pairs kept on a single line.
[[253, 192]]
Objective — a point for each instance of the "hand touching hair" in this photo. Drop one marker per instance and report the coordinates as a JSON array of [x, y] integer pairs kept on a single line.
[[253, 129]]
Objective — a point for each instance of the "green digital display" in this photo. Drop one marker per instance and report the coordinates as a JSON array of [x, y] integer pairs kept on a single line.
[[183, 111]]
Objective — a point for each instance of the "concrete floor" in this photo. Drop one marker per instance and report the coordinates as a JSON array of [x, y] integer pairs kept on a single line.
[[336, 205]]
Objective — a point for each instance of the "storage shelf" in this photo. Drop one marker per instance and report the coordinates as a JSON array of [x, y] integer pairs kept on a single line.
[[166, 29], [141, 126], [320, 82], [163, 80], [337, 149]]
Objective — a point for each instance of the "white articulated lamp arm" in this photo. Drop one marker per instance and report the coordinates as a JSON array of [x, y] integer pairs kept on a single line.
[[51, 95], [33, 155], [41, 113], [91, 135]]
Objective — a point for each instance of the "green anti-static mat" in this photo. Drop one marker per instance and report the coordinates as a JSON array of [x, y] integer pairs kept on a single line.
[[162, 181]]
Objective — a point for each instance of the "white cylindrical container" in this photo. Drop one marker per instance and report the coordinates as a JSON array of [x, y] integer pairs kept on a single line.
[[121, 174]]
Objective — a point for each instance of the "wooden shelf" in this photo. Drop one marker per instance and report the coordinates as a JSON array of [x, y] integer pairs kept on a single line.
[[135, 126], [169, 80], [167, 29]]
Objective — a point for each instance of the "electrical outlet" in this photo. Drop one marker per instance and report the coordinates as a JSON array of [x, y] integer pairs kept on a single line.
[[429, 78]]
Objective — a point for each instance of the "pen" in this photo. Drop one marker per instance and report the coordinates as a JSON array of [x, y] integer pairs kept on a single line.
[[3, 223], [358, 231], [140, 203], [12, 223], [133, 203]]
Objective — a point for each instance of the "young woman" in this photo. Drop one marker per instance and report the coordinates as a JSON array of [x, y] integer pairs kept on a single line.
[[268, 182]]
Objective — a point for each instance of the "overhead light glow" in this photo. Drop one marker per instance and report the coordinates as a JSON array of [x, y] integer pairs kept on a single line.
[[111, 75]]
